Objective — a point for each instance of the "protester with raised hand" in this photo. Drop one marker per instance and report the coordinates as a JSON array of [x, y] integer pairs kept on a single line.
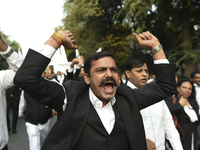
[[6, 81], [96, 114]]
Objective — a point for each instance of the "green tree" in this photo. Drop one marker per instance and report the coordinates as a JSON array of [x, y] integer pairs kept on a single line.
[[93, 24], [174, 22], [14, 44]]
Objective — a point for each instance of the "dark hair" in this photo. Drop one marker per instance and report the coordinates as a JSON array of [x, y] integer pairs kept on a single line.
[[94, 57], [186, 79], [183, 79], [193, 74], [135, 63]]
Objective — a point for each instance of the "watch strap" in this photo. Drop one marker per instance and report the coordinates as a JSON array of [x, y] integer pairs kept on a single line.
[[155, 50], [9, 53]]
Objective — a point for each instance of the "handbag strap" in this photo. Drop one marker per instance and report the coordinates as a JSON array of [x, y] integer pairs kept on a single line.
[[174, 99], [176, 123]]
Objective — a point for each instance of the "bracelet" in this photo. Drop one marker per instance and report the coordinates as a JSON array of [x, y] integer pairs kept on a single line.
[[155, 50], [9, 53], [58, 38]]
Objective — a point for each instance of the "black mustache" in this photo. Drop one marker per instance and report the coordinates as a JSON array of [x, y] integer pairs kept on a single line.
[[107, 79]]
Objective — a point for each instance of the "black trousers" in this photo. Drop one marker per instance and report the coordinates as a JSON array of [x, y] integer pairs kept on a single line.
[[14, 106]]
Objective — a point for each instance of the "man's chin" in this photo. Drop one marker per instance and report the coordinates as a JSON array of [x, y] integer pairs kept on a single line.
[[110, 96], [107, 97]]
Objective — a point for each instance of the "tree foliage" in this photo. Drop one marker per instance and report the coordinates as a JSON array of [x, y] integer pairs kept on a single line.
[[93, 26], [109, 25], [175, 22]]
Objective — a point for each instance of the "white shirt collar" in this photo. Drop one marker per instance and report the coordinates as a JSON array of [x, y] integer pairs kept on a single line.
[[131, 85], [96, 102], [195, 84]]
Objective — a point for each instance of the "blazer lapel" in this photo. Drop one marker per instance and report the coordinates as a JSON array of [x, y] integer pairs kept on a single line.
[[124, 110], [83, 112]]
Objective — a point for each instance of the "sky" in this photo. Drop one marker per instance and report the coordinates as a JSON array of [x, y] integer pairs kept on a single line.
[[30, 22]]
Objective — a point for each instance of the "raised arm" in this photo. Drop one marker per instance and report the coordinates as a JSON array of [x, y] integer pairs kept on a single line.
[[148, 40], [78, 61], [14, 61], [165, 85], [29, 75]]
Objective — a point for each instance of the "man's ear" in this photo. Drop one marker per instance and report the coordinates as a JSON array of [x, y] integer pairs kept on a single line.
[[86, 78], [127, 72]]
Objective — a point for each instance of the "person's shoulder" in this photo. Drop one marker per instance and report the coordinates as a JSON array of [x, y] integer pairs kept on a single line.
[[123, 86], [75, 84], [124, 89]]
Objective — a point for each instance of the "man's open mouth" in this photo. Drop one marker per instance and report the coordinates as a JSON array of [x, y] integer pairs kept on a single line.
[[108, 86]]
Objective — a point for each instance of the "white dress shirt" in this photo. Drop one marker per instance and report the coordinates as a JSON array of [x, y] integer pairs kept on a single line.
[[6, 81], [105, 113], [158, 122]]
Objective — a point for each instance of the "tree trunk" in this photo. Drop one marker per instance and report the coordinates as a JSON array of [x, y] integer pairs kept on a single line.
[[187, 43], [189, 67]]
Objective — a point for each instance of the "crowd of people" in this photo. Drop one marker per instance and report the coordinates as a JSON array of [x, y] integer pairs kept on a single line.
[[97, 109]]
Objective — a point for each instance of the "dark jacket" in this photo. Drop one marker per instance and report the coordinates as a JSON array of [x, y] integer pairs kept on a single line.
[[69, 126], [35, 112], [184, 121]]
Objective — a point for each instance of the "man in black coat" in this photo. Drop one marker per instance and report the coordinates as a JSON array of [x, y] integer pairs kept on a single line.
[[95, 114]]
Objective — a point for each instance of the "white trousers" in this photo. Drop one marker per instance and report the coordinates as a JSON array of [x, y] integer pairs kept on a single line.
[[37, 134]]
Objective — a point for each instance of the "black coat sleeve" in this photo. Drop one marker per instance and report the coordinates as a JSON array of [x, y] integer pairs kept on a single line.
[[174, 108], [29, 79], [163, 87]]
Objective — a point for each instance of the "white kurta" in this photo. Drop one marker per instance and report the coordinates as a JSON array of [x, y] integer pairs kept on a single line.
[[6, 81]]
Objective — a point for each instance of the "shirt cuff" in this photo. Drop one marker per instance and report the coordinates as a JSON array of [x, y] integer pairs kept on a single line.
[[20, 113], [47, 51], [70, 70], [78, 67], [161, 61], [5, 52]]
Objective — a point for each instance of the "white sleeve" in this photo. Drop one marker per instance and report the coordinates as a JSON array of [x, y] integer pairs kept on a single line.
[[22, 104], [161, 61], [171, 132], [6, 78], [14, 61], [70, 70], [47, 51]]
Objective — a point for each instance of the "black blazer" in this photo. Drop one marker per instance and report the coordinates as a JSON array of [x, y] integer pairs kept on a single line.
[[35, 112], [67, 129]]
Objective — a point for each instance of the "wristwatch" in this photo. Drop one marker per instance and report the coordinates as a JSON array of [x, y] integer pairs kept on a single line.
[[9, 53], [155, 50]]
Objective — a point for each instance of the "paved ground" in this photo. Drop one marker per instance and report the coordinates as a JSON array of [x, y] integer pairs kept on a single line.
[[19, 141]]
